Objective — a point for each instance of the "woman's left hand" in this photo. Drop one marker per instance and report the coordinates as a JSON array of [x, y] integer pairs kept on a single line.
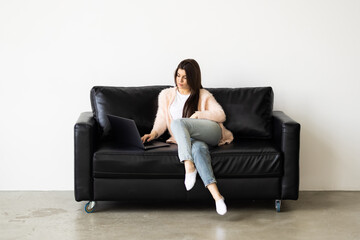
[[195, 115]]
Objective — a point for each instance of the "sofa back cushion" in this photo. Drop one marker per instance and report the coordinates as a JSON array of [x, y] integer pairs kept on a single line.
[[248, 110], [137, 103]]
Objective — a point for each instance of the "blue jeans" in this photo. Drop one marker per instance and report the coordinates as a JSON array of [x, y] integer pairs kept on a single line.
[[193, 137]]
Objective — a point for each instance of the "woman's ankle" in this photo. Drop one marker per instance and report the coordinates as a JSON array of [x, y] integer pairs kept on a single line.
[[218, 197], [189, 166], [215, 193]]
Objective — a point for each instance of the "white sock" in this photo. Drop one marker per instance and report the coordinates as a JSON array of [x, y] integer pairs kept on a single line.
[[221, 206], [190, 179]]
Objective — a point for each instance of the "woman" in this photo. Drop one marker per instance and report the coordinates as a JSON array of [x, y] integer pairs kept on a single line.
[[194, 119]]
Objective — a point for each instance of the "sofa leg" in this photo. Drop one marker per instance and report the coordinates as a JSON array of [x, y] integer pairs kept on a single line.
[[277, 205], [90, 206]]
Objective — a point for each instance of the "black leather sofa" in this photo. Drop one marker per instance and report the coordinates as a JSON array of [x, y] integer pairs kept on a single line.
[[261, 163]]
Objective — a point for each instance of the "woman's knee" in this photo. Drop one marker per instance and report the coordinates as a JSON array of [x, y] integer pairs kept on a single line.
[[180, 123], [176, 124]]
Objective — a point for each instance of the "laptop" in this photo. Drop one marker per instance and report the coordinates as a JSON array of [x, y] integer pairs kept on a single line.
[[126, 132]]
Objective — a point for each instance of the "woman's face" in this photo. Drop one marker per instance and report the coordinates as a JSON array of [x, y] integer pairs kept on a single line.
[[181, 80]]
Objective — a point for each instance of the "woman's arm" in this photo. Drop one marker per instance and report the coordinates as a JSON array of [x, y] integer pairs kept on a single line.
[[211, 110], [160, 121]]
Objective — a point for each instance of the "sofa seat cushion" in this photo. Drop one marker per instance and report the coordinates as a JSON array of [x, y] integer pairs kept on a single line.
[[112, 161], [247, 158], [253, 158]]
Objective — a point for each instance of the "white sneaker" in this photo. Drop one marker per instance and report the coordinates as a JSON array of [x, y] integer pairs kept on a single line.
[[221, 208], [190, 179]]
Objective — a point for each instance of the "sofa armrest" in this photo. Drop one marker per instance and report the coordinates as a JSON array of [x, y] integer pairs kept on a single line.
[[287, 137], [85, 131]]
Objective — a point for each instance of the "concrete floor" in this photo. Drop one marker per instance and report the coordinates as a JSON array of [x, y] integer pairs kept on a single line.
[[56, 215]]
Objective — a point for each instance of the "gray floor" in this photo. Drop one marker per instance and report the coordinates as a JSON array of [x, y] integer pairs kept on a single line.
[[56, 215]]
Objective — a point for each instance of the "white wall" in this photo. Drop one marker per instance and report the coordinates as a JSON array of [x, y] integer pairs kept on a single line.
[[53, 52]]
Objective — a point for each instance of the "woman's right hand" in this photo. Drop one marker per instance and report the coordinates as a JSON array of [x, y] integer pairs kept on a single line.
[[149, 137]]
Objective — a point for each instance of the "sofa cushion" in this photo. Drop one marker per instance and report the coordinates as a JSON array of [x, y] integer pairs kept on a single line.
[[242, 159], [250, 158], [137, 103], [248, 110]]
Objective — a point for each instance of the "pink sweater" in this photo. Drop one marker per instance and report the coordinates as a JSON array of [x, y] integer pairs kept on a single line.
[[208, 107]]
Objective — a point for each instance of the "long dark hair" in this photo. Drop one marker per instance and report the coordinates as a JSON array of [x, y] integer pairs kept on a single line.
[[193, 77]]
